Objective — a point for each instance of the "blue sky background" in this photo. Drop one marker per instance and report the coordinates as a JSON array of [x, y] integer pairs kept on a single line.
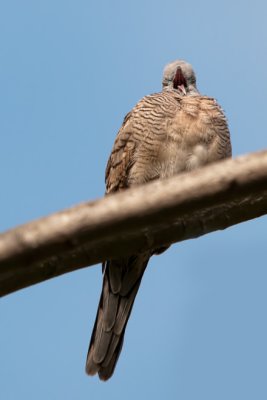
[[69, 72]]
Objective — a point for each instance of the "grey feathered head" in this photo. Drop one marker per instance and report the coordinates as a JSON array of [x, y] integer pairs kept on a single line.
[[179, 75]]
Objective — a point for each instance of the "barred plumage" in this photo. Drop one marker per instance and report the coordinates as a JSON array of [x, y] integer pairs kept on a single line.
[[166, 133]]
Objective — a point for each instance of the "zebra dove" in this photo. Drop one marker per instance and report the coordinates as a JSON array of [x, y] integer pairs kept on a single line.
[[176, 130]]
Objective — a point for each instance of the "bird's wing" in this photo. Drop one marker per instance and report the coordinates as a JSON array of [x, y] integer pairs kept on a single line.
[[121, 158], [134, 155]]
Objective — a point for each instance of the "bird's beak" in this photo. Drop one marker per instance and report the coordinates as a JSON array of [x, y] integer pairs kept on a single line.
[[182, 88]]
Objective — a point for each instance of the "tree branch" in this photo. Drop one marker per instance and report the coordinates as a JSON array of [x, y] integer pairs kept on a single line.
[[159, 213]]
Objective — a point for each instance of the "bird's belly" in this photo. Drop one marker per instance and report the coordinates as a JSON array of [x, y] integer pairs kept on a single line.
[[175, 160]]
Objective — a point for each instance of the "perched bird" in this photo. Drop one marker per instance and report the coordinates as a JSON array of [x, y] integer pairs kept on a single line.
[[166, 133]]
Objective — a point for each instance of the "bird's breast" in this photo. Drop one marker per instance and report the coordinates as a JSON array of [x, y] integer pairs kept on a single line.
[[191, 134], [190, 139]]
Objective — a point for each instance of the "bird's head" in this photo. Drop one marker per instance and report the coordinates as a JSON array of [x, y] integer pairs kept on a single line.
[[179, 75]]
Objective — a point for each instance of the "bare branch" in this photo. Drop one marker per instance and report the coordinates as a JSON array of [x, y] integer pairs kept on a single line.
[[147, 217]]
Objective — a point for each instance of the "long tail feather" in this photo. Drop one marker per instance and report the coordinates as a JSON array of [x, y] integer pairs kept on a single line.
[[121, 282]]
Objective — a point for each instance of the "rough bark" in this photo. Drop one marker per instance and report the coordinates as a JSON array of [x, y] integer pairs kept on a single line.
[[147, 217]]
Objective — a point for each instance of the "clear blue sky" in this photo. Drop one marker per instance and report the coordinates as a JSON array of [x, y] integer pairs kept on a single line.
[[69, 72]]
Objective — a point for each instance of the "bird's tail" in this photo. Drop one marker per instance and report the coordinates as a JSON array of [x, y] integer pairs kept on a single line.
[[121, 281]]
